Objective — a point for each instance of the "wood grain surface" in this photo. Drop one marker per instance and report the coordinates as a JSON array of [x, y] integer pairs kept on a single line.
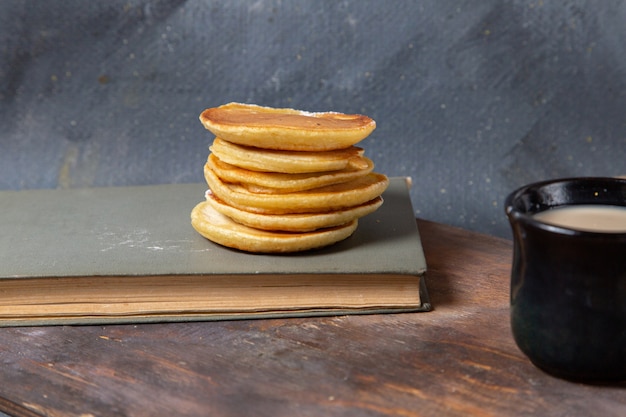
[[458, 360]]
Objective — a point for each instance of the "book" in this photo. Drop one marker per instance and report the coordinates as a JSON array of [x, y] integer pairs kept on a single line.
[[129, 255]]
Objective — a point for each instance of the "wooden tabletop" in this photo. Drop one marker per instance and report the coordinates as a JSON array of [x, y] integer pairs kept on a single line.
[[458, 360]]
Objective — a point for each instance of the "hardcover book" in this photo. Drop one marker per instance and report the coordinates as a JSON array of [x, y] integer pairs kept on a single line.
[[130, 255]]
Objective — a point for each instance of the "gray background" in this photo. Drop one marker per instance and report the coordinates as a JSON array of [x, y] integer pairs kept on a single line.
[[472, 98]]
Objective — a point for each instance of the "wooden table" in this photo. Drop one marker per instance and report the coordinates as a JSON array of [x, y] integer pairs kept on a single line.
[[458, 360]]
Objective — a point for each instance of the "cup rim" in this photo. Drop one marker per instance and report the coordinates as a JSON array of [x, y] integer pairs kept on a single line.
[[515, 214]]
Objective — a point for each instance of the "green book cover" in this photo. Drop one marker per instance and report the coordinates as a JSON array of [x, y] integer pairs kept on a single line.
[[129, 254]]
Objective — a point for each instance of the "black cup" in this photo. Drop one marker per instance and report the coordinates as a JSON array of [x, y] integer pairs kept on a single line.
[[568, 287]]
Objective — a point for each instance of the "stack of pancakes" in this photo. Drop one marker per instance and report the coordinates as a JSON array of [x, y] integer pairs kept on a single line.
[[283, 180]]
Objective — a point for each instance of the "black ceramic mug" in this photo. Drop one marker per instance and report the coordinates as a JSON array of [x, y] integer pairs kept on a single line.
[[568, 286]]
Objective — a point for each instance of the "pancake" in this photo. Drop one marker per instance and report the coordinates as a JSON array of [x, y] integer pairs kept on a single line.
[[323, 199], [304, 222], [272, 182], [285, 180], [222, 230], [286, 129], [291, 162]]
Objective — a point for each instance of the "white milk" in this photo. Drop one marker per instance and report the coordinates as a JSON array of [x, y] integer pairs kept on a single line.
[[587, 217]]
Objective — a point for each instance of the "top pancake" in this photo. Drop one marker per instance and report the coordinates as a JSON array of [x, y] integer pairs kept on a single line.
[[286, 129]]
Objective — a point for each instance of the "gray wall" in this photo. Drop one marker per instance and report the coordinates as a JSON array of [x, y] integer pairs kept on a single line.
[[471, 98]]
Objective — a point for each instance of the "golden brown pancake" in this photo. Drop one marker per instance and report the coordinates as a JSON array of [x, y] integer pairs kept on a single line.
[[275, 182], [286, 129], [222, 230], [304, 222], [291, 162], [285, 180], [323, 199]]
